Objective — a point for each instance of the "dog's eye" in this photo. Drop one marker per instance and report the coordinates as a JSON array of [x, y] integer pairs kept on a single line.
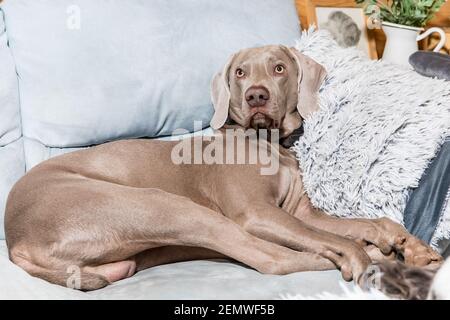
[[279, 69], [240, 73]]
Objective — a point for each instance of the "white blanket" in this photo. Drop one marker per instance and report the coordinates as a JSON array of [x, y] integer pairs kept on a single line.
[[378, 128]]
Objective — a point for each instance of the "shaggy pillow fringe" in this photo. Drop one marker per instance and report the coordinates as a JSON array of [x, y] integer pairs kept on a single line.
[[378, 127]]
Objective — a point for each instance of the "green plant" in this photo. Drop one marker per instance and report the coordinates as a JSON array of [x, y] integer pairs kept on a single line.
[[414, 13]]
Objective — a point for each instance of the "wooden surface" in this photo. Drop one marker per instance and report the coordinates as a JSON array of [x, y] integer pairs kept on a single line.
[[442, 19], [305, 8], [307, 12]]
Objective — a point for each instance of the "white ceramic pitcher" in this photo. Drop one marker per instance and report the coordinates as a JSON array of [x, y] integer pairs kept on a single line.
[[401, 41]]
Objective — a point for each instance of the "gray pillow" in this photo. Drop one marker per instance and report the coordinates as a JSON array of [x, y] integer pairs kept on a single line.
[[97, 70], [431, 64]]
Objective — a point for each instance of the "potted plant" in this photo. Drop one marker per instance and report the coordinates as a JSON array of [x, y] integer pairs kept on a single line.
[[402, 21]]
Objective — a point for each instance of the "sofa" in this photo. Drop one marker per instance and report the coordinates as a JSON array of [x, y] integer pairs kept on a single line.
[[77, 73]]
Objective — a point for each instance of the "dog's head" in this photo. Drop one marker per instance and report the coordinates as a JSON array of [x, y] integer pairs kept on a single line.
[[271, 87]]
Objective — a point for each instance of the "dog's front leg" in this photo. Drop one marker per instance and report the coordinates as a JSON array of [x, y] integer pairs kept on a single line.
[[385, 234], [275, 225]]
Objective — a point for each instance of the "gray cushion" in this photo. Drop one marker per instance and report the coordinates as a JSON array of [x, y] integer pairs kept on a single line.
[[133, 68], [427, 203], [431, 64]]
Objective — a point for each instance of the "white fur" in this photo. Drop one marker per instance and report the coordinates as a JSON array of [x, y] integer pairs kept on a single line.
[[378, 127], [355, 293], [440, 288]]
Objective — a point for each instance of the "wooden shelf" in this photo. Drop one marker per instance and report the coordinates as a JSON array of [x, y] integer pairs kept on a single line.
[[442, 19]]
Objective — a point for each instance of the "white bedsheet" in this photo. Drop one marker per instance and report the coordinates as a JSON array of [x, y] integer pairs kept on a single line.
[[206, 279]]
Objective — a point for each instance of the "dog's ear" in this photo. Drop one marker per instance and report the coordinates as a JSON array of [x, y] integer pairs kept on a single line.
[[220, 94], [310, 77]]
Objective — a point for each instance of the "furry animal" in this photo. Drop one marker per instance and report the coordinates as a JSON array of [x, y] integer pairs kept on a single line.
[[398, 280]]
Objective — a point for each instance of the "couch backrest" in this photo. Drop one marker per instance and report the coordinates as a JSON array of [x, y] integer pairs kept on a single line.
[[92, 71], [12, 165]]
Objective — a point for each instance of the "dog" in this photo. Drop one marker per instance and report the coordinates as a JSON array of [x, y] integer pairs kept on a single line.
[[99, 215]]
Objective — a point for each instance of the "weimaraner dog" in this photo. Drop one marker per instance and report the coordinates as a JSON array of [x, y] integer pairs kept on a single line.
[[109, 211]]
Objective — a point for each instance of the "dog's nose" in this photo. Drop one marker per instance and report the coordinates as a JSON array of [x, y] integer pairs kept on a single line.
[[257, 96]]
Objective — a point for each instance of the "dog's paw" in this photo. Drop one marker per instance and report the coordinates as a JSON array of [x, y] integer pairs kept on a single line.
[[350, 258], [417, 253], [409, 249]]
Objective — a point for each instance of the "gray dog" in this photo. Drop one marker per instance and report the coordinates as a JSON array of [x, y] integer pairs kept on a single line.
[[121, 207]]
